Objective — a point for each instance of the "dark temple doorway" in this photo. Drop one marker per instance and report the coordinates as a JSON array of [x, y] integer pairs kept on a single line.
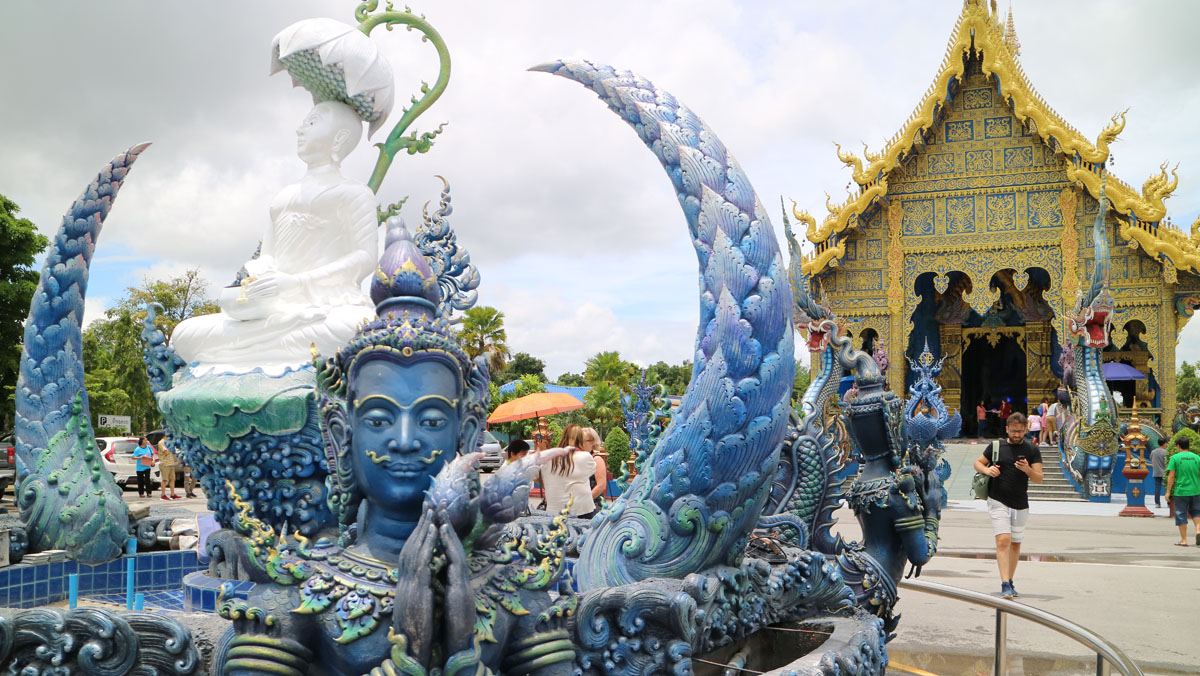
[[992, 374]]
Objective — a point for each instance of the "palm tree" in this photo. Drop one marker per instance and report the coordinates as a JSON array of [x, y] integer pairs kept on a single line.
[[482, 333], [608, 367], [602, 405]]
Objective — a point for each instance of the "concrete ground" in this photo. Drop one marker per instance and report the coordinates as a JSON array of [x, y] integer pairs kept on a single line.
[[1122, 578]]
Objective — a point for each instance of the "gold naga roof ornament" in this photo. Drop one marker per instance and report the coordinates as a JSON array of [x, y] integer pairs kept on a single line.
[[986, 33]]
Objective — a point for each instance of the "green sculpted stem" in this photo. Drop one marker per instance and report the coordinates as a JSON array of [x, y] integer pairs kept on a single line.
[[396, 140]]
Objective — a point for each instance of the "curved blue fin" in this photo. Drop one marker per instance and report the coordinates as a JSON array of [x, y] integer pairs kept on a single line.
[[67, 499], [704, 486]]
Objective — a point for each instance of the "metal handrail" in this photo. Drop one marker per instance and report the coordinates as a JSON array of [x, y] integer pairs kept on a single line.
[[1106, 653]]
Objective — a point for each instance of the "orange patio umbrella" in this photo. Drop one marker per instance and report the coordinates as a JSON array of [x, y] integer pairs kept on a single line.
[[534, 405]]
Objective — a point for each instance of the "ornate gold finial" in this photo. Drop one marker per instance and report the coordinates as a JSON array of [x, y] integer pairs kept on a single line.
[[1010, 33]]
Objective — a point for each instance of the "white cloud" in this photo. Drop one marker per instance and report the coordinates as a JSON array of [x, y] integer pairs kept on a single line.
[[93, 309], [573, 225]]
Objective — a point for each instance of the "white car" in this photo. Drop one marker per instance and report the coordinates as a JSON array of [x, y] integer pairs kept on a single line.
[[493, 452], [117, 455]]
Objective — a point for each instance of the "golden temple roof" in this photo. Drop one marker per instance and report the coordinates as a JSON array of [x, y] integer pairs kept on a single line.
[[995, 41]]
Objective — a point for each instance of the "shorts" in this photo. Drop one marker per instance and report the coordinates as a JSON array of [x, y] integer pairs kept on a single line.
[[1185, 504], [1007, 521]]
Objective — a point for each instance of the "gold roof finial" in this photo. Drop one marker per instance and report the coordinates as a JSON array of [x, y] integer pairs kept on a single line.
[[1010, 34]]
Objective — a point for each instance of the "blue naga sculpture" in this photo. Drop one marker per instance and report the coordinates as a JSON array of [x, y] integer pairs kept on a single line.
[[897, 495], [67, 499], [704, 485], [1091, 436]]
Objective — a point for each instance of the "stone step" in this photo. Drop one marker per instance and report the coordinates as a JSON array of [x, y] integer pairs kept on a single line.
[[1052, 489], [1067, 496]]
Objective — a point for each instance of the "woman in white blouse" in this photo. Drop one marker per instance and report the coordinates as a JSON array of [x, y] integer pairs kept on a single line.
[[569, 474]]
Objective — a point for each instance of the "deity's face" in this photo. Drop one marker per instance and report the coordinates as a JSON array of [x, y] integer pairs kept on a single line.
[[327, 133], [406, 426]]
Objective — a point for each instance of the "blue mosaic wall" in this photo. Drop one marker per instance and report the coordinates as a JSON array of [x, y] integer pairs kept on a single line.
[[26, 586]]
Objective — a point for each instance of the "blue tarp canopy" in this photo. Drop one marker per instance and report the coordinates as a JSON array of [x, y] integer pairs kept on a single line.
[[1115, 370], [576, 392]]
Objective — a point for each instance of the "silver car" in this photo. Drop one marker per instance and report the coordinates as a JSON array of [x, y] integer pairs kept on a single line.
[[493, 452], [116, 453]]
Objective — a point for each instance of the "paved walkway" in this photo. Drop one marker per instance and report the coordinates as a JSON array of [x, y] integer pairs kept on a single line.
[[1120, 577]]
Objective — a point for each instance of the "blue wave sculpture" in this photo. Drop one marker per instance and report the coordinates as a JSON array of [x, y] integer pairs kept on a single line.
[[67, 499], [705, 484]]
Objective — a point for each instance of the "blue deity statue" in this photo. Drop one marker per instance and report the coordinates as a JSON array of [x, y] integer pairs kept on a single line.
[[399, 405]]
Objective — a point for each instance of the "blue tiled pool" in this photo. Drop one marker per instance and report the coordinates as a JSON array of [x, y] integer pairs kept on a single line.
[[26, 586]]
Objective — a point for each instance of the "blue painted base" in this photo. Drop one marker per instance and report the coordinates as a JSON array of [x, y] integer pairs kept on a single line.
[[200, 592]]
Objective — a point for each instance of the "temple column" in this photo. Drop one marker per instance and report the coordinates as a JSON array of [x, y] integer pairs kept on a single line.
[[1167, 338], [1069, 243], [951, 376], [1040, 380], [899, 324]]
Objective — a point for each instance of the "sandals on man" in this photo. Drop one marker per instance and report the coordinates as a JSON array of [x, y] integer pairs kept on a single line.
[[1181, 544]]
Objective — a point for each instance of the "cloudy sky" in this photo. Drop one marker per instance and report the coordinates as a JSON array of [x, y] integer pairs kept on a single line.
[[569, 218]]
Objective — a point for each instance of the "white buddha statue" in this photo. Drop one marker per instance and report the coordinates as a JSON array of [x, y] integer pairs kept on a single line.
[[305, 287]]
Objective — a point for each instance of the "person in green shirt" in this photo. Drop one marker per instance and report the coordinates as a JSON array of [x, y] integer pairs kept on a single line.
[[1183, 486]]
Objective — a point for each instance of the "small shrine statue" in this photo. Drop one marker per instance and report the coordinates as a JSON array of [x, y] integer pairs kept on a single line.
[[303, 289], [427, 558]]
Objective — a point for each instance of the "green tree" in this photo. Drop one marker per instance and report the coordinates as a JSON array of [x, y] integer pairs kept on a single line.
[[20, 245], [1187, 385], [483, 333], [112, 347], [674, 379], [180, 297], [800, 384], [608, 368], [523, 364], [602, 405], [572, 380], [616, 442], [1193, 441]]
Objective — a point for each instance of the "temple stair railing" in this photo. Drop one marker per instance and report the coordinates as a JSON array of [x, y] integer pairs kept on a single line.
[[1108, 655]]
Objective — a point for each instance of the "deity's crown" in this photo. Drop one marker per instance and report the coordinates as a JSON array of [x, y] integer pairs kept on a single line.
[[412, 323], [403, 276], [409, 317]]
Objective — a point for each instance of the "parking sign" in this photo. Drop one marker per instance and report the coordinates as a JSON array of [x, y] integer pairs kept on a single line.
[[121, 421]]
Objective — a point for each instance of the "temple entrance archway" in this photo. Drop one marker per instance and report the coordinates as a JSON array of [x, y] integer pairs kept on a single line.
[[994, 366], [1005, 350]]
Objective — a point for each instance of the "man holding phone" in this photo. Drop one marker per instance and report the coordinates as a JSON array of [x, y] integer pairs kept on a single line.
[[1011, 463]]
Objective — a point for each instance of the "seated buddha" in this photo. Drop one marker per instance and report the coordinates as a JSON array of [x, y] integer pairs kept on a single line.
[[401, 404], [304, 287]]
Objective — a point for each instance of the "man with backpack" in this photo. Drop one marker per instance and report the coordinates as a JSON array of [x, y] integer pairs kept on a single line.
[[1010, 462]]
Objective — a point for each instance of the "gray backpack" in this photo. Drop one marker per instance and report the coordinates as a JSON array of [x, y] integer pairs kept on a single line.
[[981, 482]]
